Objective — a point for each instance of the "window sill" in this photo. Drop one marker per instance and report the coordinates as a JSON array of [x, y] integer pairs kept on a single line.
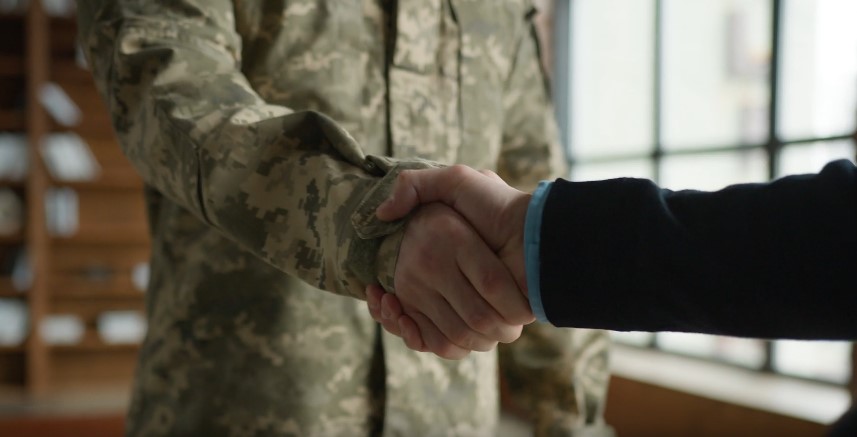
[[814, 402]]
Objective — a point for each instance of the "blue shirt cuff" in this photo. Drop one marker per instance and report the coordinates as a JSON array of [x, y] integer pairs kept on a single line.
[[532, 240]]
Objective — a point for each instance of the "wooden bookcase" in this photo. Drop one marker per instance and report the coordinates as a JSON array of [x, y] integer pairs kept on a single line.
[[85, 273]]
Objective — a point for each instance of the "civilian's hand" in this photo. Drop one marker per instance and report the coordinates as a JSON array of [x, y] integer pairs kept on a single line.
[[497, 212], [447, 281]]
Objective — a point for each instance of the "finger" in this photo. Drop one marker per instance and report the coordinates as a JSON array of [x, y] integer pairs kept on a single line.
[[472, 308], [480, 198], [415, 187], [374, 294], [391, 325], [438, 310], [374, 300], [408, 329], [492, 175], [446, 296], [391, 306], [496, 285], [435, 341], [411, 333]]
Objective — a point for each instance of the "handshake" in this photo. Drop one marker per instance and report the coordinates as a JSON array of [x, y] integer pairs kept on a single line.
[[460, 280]]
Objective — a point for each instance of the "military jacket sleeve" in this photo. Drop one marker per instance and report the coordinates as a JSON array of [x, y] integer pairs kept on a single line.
[[285, 185], [558, 377], [530, 148]]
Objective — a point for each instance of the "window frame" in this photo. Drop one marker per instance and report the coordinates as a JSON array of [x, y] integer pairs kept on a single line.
[[562, 56]]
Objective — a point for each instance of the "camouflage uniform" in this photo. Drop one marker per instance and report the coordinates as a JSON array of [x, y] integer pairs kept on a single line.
[[249, 121]]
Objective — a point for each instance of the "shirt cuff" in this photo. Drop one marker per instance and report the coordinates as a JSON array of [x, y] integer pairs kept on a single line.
[[532, 242]]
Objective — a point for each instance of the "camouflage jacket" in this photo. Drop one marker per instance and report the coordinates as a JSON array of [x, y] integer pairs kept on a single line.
[[266, 132]]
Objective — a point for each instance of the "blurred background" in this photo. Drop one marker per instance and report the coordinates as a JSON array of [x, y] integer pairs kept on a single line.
[[691, 93], [73, 238]]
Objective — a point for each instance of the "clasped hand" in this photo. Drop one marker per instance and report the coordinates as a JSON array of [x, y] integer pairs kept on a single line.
[[460, 282]]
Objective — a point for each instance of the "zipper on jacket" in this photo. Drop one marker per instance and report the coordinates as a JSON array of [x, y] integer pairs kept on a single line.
[[390, 8]]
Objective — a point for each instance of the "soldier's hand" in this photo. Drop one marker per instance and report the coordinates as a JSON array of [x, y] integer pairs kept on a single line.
[[496, 211], [446, 277], [386, 310]]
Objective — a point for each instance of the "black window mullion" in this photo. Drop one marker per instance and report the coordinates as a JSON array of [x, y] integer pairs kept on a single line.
[[774, 143], [562, 71], [657, 102], [657, 108]]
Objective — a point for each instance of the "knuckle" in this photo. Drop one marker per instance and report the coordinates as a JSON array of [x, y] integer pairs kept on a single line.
[[459, 171], [410, 270], [460, 336], [458, 233], [452, 227], [480, 320], [491, 282], [525, 317], [403, 177]]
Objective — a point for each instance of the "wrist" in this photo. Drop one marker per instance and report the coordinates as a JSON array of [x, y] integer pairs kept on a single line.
[[532, 245], [513, 219]]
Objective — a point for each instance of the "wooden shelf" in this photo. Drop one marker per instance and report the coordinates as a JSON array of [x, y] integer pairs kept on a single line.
[[105, 183], [8, 291], [6, 285], [96, 347], [114, 290], [11, 65], [7, 350], [104, 238], [16, 238], [12, 16], [112, 235], [92, 343], [114, 286], [12, 120], [66, 71], [99, 295], [12, 183]]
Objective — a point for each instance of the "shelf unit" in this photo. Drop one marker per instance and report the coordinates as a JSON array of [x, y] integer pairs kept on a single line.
[[88, 271], [14, 359]]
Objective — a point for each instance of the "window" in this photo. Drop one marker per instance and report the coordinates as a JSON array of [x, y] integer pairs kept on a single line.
[[706, 93]]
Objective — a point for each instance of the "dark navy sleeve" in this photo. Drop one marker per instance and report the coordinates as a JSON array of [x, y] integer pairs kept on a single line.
[[774, 260]]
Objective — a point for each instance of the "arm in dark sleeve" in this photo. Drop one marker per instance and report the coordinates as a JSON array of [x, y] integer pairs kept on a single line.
[[756, 260]]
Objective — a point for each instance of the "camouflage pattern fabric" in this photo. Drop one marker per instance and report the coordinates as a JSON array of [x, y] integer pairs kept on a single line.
[[264, 130]]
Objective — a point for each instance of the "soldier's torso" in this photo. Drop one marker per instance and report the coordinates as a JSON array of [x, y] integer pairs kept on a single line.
[[238, 348], [446, 65]]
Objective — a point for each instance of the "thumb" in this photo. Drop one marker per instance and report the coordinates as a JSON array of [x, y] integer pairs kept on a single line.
[[415, 187]]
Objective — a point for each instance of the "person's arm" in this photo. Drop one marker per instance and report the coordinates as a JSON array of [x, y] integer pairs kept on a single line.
[[294, 188], [756, 260], [277, 182], [773, 260]]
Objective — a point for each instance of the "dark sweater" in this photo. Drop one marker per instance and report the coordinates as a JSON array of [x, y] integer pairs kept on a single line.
[[774, 260]]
